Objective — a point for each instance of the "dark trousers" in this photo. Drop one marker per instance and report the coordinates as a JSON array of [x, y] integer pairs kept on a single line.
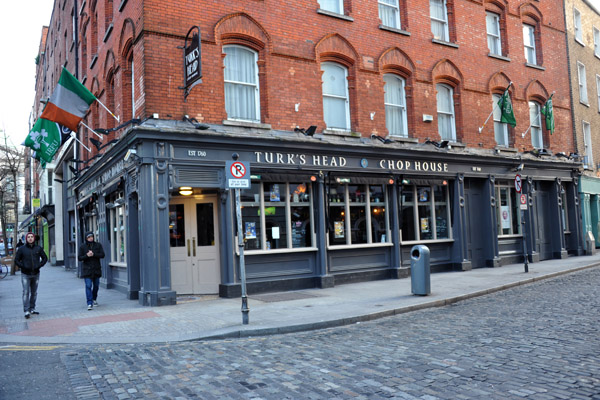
[[91, 290], [30, 286]]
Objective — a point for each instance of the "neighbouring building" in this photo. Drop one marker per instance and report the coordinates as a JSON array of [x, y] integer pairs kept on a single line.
[[362, 122], [583, 44]]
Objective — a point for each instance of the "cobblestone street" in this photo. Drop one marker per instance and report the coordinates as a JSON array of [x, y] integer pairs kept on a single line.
[[538, 341]]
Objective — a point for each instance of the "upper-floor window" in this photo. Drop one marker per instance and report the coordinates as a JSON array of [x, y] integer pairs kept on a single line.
[[132, 71], [336, 6], [241, 84], [493, 33], [389, 13], [500, 128], [596, 42], [587, 142], [598, 91], [577, 25], [535, 121], [439, 19], [583, 97], [529, 44], [336, 101], [445, 112], [395, 105]]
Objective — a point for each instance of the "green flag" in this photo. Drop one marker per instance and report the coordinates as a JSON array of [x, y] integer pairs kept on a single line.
[[44, 139], [508, 117], [548, 112]]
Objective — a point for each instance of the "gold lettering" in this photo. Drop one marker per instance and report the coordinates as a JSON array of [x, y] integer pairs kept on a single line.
[[445, 167], [279, 158], [269, 158], [302, 159], [343, 161], [258, 154], [316, 160], [333, 162], [290, 158]]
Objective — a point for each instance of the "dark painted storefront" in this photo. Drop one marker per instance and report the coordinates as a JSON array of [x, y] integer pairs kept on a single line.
[[321, 211]]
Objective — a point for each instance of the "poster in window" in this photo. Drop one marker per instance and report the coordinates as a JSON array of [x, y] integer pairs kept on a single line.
[[423, 195], [424, 225], [339, 229], [275, 193], [250, 230], [505, 216]]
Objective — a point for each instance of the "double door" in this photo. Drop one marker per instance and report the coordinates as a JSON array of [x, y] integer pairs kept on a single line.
[[194, 240]]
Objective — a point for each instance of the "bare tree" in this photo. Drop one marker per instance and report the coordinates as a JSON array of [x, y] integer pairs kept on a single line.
[[11, 163]]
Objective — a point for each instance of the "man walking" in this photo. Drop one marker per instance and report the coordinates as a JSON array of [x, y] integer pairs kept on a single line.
[[90, 254], [30, 258]]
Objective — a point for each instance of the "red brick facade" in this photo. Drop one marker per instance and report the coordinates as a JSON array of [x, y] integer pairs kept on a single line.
[[293, 39]]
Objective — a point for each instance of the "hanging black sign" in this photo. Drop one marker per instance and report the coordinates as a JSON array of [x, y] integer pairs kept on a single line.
[[192, 59]]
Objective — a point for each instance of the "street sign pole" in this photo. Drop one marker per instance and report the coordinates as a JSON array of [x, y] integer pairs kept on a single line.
[[525, 255], [238, 214]]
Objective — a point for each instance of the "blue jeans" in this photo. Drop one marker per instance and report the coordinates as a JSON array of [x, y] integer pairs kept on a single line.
[[30, 286], [91, 294]]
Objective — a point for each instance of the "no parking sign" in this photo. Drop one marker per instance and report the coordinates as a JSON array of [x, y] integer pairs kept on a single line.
[[237, 175]]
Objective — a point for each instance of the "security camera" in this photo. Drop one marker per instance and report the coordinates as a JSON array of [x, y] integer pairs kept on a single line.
[[129, 154], [520, 167]]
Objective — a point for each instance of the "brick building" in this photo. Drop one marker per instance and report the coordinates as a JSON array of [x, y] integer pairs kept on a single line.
[[583, 44], [360, 121]]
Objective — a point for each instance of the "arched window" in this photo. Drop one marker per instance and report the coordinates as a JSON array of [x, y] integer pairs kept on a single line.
[[537, 140], [500, 128], [131, 67], [445, 111], [336, 100], [395, 105], [242, 100]]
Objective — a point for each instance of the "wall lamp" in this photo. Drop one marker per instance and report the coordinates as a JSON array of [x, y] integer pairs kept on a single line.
[[440, 145], [131, 153], [195, 122], [519, 167], [310, 131], [382, 139], [98, 144], [186, 190]]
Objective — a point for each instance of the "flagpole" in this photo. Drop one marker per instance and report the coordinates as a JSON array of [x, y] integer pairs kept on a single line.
[[80, 142], [97, 134], [494, 109], [110, 112]]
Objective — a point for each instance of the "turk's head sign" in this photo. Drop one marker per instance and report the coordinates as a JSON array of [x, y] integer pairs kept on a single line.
[[192, 59]]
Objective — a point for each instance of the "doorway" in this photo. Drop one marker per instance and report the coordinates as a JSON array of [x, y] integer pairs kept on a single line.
[[477, 231], [194, 243]]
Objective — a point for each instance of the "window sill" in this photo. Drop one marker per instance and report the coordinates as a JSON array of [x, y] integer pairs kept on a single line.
[[502, 149], [246, 124], [514, 236], [580, 42], [498, 57], [337, 132], [444, 43], [335, 15], [81, 8], [395, 30], [584, 103], [122, 5], [456, 144], [597, 55], [108, 32], [413, 242], [404, 139], [275, 251], [94, 59], [535, 66], [117, 264], [358, 246]]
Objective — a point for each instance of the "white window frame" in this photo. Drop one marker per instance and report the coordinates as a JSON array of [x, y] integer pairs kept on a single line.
[[334, 6], [443, 22], [581, 78], [117, 233], [397, 107], [596, 42], [577, 25], [529, 44], [493, 33], [500, 128], [587, 141], [433, 216], [448, 113], [346, 97], [255, 85], [535, 122], [132, 87], [391, 6], [598, 90], [511, 210]]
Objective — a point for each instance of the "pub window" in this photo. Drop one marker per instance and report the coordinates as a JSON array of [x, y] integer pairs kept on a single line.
[[91, 220], [176, 225], [509, 216], [277, 216], [563, 209], [117, 235], [357, 214], [425, 212]]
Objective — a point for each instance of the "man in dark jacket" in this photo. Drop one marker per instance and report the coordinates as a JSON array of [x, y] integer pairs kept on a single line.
[[30, 258], [90, 254]]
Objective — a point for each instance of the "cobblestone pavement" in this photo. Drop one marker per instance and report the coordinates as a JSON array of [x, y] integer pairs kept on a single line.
[[538, 341]]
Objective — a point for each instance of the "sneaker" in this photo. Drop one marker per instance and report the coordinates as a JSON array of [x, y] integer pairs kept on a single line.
[[34, 312], [27, 315], [95, 303], [90, 307]]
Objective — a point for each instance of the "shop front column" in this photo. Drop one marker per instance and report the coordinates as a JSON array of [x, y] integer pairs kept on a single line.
[[460, 251], [558, 233], [154, 228], [324, 280], [493, 252]]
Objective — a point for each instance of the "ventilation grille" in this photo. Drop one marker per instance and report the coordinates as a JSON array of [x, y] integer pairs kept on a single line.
[[133, 179], [197, 178]]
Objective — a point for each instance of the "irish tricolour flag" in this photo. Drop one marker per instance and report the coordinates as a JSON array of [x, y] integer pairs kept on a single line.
[[69, 103]]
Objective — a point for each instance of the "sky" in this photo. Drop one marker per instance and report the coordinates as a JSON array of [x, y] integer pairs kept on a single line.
[[20, 33]]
